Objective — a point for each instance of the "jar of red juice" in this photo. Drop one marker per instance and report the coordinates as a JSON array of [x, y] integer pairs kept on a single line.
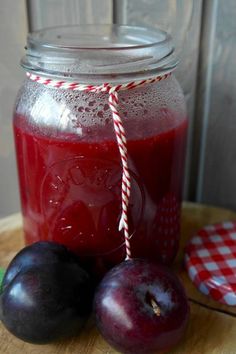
[[68, 159]]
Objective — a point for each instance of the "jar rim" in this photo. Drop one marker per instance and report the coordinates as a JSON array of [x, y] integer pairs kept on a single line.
[[99, 52]]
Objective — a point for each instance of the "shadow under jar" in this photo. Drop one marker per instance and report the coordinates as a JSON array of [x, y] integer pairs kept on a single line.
[[68, 160]]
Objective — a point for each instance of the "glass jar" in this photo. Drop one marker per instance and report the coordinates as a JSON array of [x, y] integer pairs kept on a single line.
[[68, 160]]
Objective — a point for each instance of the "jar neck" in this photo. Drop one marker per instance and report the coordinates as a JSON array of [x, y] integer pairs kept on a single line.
[[99, 53]]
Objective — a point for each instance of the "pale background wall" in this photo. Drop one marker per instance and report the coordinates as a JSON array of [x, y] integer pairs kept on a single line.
[[218, 182], [204, 33], [13, 29]]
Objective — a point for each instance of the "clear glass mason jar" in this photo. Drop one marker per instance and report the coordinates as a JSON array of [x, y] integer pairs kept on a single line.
[[68, 160]]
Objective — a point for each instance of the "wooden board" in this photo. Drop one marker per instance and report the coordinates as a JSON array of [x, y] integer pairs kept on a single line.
[[211, 329]]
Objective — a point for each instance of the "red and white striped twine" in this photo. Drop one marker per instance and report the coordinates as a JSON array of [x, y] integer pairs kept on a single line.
[[119, 131]]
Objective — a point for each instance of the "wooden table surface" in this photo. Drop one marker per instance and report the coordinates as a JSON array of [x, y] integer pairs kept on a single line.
[[212, 326]]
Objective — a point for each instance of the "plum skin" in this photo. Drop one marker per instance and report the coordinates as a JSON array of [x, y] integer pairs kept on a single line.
[[125, 312], [46, 293], [36, 254], [41, 305]]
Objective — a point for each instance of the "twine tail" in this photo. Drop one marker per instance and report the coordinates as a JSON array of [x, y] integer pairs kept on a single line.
[[122, 145]]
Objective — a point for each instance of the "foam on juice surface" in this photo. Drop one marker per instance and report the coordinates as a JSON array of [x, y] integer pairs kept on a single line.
[[84, 113]]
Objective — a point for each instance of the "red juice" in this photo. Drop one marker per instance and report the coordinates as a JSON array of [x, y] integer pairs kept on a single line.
[[71, 191]]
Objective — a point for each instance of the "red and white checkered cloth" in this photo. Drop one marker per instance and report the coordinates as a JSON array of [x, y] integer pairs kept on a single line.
[[210, 259]]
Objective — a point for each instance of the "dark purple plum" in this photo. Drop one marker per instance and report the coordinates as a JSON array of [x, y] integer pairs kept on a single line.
[[45, 302], [38, 253], [141, 307]]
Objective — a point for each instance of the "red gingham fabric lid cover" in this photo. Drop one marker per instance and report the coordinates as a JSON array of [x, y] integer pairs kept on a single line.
[[210, 259]]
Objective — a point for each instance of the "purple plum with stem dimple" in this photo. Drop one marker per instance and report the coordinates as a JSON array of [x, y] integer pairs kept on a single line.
[[141, 307]]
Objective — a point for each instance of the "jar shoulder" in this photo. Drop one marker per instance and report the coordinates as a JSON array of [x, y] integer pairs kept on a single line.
[[76, 111]]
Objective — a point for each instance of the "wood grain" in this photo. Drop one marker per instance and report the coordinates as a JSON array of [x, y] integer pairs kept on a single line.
[[212, 326]]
